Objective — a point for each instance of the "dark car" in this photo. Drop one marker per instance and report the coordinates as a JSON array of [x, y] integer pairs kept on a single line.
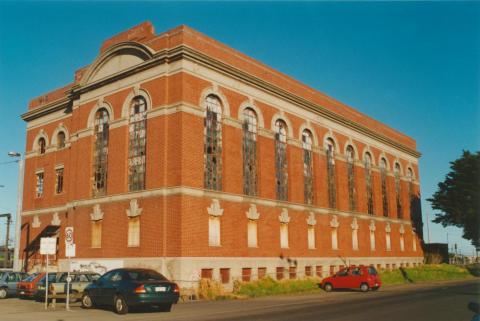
[[8, 283], [354, 277], [125, 288]]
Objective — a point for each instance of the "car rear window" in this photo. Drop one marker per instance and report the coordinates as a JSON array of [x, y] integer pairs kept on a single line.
[[145, 276]]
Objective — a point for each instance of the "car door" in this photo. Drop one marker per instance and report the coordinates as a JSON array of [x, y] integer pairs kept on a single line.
[[341, 279], [95, 290], [355, 277], [109, 289], [12, 280]]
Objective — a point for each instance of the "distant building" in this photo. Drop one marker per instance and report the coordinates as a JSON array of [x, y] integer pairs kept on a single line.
[[176, 152]]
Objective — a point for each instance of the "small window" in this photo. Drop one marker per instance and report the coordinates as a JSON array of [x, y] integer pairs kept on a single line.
[[292, 272], [39, 186], [42, 145], [319, 271], [59, 180], [246, 274], [308, 270], [225, 275], [262, 272], [206, 274], [61, 140], [134, 231], [280, 271]]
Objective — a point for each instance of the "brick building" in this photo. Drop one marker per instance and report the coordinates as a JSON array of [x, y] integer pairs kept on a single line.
[[176, 152]]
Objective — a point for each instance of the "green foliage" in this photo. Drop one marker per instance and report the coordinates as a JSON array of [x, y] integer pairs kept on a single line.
[[269, 286], [425, 273], [458, 197]]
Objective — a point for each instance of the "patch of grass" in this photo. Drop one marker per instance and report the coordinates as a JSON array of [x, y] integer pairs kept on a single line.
[[425, 273], [269, 286]]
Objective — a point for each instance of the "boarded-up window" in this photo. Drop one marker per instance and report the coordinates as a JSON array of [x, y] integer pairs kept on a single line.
[[292, 272], [280, 272], [284, 236], [262, 272], [100, 152], [59, 180], [249, 152], [331, 173], [372, 240], [402, 243], [252, 233], [351, 178], [307, 166], [281, 173], [369, 182], [137, 144], [213, 144], [225, 275], [383, 177], [398, 191], [134, 231], [388, 242], [319, 271], [246, 274], [213, 231], [311, 237], [96, 234], [334, 239], [355, 239], [308, 270], [206, 274]]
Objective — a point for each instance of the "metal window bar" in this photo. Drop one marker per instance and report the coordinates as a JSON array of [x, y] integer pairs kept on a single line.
[[351, 178], [250, 153], [137, 144], [281, 160], [213, 144], [307, 167], [100, 152], [332, 190]]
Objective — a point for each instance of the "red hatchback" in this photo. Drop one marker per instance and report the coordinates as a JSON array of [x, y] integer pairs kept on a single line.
[[355, 277]]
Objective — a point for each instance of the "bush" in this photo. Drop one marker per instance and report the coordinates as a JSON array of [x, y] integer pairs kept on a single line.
[[269, 286], [433, 272], [210, 289]]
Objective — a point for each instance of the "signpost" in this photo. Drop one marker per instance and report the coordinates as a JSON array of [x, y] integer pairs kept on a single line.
[[69, 252], [48, 245]]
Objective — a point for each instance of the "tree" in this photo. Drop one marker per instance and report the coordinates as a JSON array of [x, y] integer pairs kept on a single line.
[[458, 197]]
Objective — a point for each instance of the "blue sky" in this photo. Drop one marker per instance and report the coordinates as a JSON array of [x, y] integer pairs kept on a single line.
[[414, 66]]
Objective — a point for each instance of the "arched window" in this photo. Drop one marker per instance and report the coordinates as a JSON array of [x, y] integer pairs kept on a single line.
[[369, 182], [281, 173], [331, 175], [398, 190], [100, 152], [411, 195], [61, 140], [383, 177], [213, 143], [351, 177], [249, 152], [42, 144], [307, 166], [137, 130]]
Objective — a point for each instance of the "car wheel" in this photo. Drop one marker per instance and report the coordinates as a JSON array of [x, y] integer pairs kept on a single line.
[[328, 287], [87, 302], [3, 293], [119, 305], [165, 308], [364, 287], [73, 297]]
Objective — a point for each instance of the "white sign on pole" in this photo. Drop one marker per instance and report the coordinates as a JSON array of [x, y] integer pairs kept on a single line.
[[70, 250], [69, 235], [48, 245]]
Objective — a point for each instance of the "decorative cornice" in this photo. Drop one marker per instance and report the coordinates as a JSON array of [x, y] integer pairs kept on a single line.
[[56, 220], [134, 210], [97, 213], [311, 221], [334, 222], [252, 213], [401, 229], [283, 217], [388, 228], [372, 226], [36, 222], [215, 209], [354, 224]]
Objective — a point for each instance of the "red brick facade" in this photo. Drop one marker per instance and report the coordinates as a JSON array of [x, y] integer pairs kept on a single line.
[[174, 72]]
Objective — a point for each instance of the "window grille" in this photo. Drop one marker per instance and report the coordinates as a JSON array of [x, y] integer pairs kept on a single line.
[[331, 176], [100, 152], [59, 180], [42, 145], [351, 178], [213, 144], [281, 160], [249, 152], [307, 166], [369, 182], [383, 175], [137, 144], [61, 140], [398, 191]]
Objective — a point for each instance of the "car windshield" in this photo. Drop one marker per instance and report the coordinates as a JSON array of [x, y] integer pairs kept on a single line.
[[146, 275], [30, 277], [372, 271]]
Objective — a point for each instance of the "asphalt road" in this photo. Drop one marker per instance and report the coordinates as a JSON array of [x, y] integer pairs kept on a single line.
[[440, 301]]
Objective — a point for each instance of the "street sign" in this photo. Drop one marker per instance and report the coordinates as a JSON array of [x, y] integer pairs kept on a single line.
[[70, 250], [69, 235], [48, 245]]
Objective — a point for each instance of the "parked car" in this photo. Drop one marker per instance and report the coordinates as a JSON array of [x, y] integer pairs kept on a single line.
[[355, 277], [79, 281], [125, 288], [8, 283], [28, 286], [39, 294]]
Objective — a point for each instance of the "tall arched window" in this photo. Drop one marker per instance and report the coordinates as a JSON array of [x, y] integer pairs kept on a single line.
[[249, 152], [383, 177], [307, 166], [369, 182], [398, 190], [331, 175], [351, 177], [61, 139], [410, 189], [213, 143], [42, 144], [100, 152], [281, 173], [137, 133]]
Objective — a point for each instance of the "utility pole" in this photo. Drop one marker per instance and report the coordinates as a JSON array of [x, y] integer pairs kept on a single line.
[[428, 228], [6, 252], [18, 220]]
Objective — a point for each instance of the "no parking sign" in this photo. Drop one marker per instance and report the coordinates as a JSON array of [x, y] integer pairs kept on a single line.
[[69, 235]]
